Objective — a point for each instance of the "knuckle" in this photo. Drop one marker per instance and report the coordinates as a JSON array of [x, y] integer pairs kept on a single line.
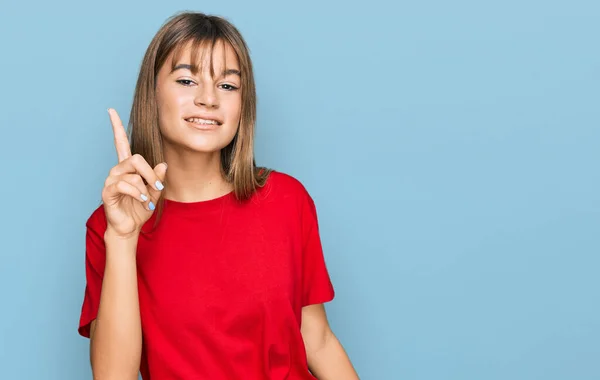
[[111, 179], [137, 180], [137, 158]]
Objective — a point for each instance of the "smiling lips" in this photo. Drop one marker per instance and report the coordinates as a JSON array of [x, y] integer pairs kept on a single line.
[[203, 123]]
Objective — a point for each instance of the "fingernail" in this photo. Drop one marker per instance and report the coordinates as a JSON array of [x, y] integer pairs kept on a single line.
[[144, 197], [151, 206], [166, 166], [159, 185]]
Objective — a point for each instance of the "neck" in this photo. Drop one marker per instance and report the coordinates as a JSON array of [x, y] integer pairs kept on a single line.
[[194, 176]]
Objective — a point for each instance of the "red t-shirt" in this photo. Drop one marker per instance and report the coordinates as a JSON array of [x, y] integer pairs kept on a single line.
[[222, 284]]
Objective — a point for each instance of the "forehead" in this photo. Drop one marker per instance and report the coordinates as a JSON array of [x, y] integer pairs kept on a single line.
[[205, 55]]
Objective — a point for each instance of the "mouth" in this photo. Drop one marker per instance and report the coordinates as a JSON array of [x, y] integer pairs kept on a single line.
[[202, 122]]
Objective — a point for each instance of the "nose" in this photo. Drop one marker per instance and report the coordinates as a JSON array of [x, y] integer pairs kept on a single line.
[[206, 96]]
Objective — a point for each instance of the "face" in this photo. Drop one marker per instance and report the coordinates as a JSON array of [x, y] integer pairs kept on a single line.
[[196, 111]]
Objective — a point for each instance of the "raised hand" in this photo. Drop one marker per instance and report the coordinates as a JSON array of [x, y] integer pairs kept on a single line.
[[128, 201]]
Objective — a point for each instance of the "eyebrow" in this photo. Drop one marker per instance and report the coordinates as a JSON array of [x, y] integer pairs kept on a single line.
[[185, 66]]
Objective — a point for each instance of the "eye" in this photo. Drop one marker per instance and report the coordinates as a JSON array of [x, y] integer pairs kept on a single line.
[[228, 87], [185, 82]]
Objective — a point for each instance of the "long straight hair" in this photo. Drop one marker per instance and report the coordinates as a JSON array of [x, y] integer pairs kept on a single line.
[[201, 30]]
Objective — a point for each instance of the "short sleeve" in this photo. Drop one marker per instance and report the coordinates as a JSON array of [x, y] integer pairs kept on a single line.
[[316, 282], [94, 269]]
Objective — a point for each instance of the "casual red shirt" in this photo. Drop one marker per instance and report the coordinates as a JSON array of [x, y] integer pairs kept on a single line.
[[222, 284]]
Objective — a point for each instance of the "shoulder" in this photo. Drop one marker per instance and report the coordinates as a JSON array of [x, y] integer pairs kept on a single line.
[[286, 186], [285, 180], [94, 239], [289, 193], [97, 220]]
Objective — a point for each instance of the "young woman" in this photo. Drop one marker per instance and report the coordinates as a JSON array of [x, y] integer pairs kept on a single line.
[[212, 268]]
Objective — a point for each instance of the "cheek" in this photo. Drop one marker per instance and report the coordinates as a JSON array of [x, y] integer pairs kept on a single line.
[[233, 114], [170, 105], [234, 109]]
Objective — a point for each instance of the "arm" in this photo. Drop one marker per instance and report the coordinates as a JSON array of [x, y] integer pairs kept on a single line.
[[116, 334], [327, 359]]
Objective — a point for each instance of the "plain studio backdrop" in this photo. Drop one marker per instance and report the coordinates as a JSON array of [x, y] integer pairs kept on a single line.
[[451, 148]]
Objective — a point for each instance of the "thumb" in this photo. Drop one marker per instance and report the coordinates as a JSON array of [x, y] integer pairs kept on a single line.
[[161, 171]]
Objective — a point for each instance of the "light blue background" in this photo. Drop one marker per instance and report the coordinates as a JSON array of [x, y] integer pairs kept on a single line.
[[451, 148]]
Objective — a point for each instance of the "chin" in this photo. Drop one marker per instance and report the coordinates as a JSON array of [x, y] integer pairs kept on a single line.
[[199, 141], [201, 144]]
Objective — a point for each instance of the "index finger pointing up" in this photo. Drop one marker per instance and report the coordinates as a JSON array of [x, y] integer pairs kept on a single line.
[[121, 140]]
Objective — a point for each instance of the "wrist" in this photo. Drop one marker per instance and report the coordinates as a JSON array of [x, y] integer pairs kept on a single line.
[[120, 244], [111, 235]]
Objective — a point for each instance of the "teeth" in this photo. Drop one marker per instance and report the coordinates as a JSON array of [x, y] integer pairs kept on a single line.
[[201, 121]]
